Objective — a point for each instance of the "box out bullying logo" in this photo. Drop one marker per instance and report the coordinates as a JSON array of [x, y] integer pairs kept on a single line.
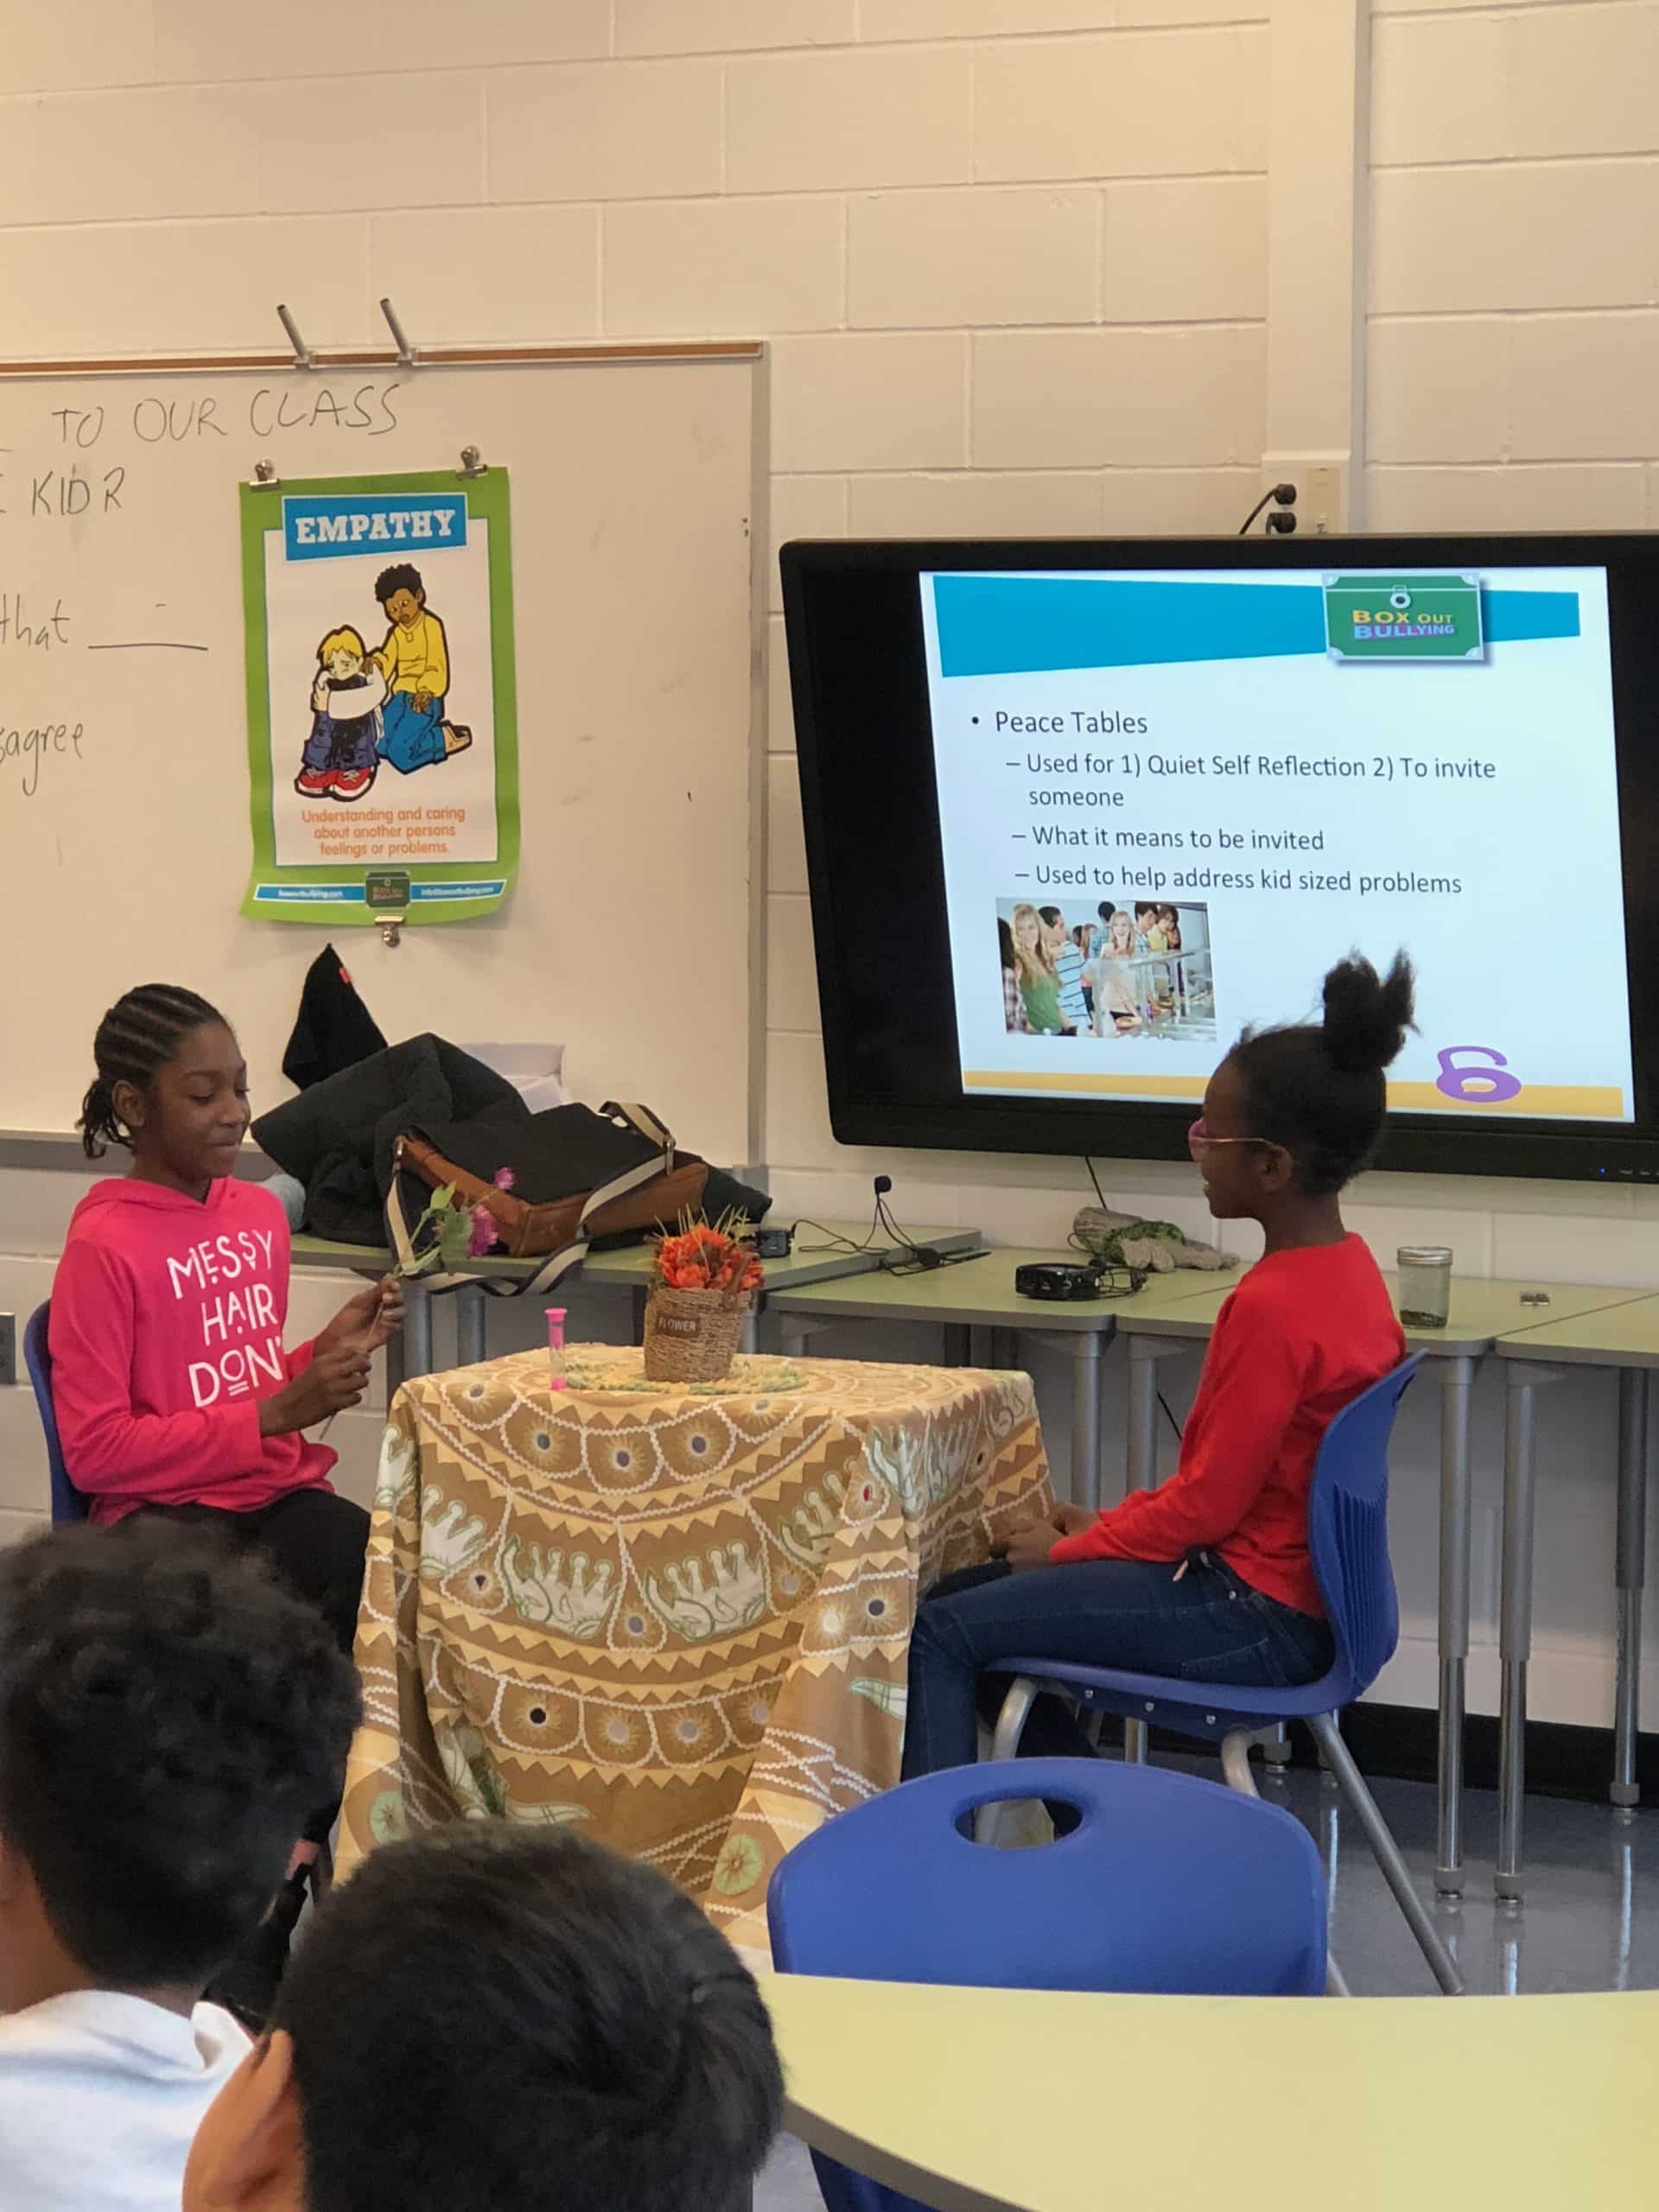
[[1403, 618]]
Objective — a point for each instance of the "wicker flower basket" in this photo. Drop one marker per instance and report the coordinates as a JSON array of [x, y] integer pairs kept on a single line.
[[692, 1336]]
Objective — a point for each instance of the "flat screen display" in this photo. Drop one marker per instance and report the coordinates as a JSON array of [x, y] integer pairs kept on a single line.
[[1079, 814]]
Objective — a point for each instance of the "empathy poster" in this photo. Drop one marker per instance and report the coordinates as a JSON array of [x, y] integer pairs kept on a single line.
[[382, 726]]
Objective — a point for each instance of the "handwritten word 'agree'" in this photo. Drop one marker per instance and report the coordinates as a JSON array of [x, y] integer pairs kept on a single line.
[[25, 749]]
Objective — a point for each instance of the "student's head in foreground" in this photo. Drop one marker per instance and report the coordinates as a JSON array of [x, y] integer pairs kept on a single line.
[[497, 2018], [1292, 1115], [169, 1718]]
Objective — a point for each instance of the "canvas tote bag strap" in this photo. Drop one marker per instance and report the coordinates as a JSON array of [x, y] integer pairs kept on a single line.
[[646, 1123], [559, 1263]]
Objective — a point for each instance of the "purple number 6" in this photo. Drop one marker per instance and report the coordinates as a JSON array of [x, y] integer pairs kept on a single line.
[[1472, 1074]]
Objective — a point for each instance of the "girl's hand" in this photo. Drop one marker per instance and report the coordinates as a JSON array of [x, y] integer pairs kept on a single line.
[[337, 1377], [373, 1317], [1028, 1547], [1071, 1520]]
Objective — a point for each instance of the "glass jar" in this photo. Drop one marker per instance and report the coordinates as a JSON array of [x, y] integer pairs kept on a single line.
[[1425, 1285]]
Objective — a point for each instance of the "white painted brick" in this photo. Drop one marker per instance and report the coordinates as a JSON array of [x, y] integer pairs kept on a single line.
[[1385, 1228], [330, 145], [206, 39], [729, 26], [806, 1195], [735, 267], [1440, 390], [1128, 105], [639, 130], [176, 287], [1581, 80], [977, 503], [857, 401], [1437, 90], [35, 1207], [1559, 1248], [1584, 387], [808, 123], [1118, 396], [792, 977], [1173, 13], [1014, 1216], [87, 157], [1187, 250], [785, 836], [1177, 502], [512, 276], [1503, 498], [975, 255], [798, 1109], [780, 720], [1556, 236], [803, 506], [926, 19], [75, 43]]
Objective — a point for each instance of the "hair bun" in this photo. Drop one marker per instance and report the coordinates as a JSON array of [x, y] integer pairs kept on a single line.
[[1366, 1016]]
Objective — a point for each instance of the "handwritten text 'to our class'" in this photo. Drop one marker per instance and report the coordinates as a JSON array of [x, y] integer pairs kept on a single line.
[[156, 420]]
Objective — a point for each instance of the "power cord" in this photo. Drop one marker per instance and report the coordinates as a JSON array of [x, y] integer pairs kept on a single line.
[[1279, 525]]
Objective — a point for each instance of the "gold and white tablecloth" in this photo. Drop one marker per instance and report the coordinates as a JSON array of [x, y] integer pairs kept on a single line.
[[676, 1614]]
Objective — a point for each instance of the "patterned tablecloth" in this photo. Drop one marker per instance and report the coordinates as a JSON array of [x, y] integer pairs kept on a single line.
[[678, 1615]]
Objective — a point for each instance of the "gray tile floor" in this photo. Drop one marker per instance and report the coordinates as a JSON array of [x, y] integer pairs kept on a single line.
[[1591, 1918]]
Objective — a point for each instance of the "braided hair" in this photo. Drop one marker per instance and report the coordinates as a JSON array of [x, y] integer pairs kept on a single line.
[[139, 1034]]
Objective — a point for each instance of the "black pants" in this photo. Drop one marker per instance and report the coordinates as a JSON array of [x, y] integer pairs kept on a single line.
[[315, 1541]]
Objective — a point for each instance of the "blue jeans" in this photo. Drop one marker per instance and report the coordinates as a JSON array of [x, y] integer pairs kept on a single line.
[[411, 738], [1210, 1626]]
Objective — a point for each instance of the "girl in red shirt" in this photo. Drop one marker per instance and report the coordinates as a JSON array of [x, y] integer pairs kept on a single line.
[[1210, 1577]]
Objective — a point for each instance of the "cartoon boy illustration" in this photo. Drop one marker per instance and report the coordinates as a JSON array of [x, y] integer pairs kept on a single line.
[[414, 662], [340, 758]]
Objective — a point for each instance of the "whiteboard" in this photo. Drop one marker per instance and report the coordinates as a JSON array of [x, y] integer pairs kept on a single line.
[[123, 778]]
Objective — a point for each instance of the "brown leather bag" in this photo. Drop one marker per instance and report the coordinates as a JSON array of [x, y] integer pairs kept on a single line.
[[659, 1189]]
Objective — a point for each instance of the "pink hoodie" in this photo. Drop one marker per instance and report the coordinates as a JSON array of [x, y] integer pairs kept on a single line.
[[167, 1330]]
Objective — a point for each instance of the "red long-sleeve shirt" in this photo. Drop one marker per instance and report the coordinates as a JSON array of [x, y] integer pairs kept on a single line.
[[1305, 1331]]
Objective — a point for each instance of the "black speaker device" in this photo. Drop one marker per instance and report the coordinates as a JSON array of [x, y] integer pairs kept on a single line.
[[1057, 1280]]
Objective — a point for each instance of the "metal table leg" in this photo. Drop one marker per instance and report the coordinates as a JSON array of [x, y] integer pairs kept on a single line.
[[1515, 1626], [1457, 1389], [1084, 1348], [417, 1332], [1145, 1352], [1630, 1561], [469, 1325]]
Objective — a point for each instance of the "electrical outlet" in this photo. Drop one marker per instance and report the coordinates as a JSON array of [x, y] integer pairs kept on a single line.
[[1321, 481], [8, 1351]]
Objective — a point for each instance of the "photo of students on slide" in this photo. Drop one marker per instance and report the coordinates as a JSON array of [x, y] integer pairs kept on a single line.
[[1142, 971]]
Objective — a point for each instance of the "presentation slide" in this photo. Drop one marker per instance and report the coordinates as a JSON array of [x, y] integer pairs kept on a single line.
[[1181, 796]]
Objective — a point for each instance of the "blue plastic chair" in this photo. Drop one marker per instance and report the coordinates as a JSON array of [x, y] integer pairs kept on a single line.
[[1348, 1539], [1168, 1884], [67, 1503]]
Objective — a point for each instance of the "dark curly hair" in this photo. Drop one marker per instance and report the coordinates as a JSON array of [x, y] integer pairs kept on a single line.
[[1318, 1088], [609, 2032], [403, 575], [168, 1717], [141, 1033]]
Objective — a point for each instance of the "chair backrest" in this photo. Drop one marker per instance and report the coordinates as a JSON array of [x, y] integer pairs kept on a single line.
[[67, 1503], [1168, 1884], [1348, 1533]]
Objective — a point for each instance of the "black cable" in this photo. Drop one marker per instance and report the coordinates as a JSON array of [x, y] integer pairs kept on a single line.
[[834, 1240], [1174, 1424], [1284, 493], [1095, 1179]]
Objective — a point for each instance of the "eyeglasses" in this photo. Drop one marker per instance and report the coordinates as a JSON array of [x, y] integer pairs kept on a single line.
[[1199, 1140]]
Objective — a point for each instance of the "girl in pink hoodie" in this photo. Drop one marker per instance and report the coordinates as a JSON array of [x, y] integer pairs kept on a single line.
[[174, 1393]]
